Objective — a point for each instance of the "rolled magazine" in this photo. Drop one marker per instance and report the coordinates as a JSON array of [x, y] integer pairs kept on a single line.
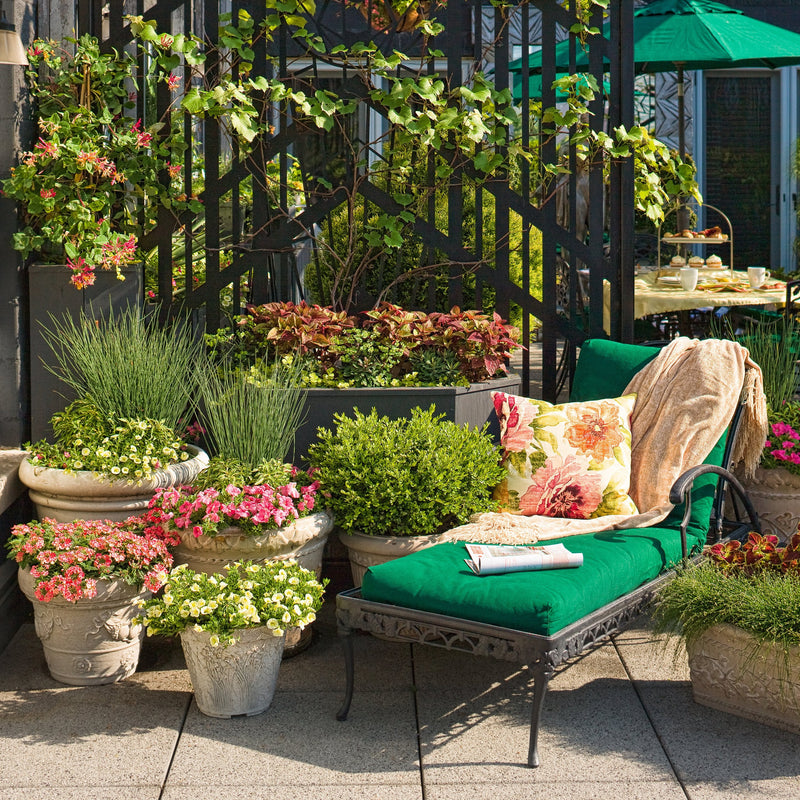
[[493, 559]]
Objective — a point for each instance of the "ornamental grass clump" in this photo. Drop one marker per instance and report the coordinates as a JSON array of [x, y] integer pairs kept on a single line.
[[753, 585], [403, 477], [66, 559], [127, 364], [135, 386], [274, 594]]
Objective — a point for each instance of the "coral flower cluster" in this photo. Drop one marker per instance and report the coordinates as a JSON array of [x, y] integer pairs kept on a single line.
[[66, 559]]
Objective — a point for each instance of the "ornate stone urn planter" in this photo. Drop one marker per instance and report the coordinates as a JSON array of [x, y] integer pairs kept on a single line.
[[775, 494], [234, 680], [90, 641], [303, 540], [367, 551], [66, 496], [731, 671]]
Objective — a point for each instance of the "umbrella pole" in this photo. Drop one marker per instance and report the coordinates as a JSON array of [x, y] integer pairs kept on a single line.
[[683, 215], [681, 113]]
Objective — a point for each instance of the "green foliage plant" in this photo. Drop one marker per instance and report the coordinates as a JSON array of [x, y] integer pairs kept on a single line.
[[416, 475], [126, 364], [380, 347], [275, 594], [753, 585], [434, 135]]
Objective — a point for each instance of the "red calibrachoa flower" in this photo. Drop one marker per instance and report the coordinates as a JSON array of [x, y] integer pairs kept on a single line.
[[66, 559], [209, 511]]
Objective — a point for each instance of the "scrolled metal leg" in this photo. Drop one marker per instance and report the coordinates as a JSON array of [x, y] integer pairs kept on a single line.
[[541, 680], [347, 645]]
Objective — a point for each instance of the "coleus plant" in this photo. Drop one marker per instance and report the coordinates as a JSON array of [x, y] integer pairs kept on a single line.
[[760, 553], [477, 344]]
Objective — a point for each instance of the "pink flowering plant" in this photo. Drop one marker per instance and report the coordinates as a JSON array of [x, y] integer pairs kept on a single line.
[[66, 559], [782, 449], [94, 165], [252, 508]]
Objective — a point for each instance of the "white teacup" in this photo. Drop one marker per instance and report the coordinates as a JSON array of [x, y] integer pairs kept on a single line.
[[757, 276], [689, 278]]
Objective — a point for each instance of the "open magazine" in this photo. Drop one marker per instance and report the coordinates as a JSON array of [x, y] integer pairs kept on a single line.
[[493, 559]]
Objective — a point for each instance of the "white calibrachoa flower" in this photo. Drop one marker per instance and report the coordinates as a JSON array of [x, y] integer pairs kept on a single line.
[[245, 595]]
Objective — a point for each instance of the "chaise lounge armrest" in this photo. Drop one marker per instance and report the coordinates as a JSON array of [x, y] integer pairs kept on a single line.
[[681, 492]]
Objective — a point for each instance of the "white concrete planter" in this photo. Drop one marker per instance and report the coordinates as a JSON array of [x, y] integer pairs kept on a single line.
[[234, 680], [731, 671], [368, 551], [91, 641], [775, 494], [304, 541], [67, 496]]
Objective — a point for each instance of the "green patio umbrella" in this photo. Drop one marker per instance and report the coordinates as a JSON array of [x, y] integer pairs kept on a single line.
[[671, 35]]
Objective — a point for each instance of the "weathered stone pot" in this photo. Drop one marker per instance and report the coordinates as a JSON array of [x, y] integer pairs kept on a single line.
[[304, 541], [367, 551], [731, 671], [775, 494], [91, 641], [234, 680], [67, 496]]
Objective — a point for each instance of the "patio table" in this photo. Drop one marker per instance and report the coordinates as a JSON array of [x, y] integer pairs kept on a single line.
[[716, 288]]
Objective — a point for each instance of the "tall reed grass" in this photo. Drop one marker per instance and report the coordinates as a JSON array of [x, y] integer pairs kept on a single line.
[[127, 365], [251, 415]]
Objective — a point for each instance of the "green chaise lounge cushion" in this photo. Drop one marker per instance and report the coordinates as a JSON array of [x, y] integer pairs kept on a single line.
[[544, 602]]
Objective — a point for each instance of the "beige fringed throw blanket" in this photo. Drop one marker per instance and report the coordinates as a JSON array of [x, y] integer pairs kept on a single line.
[[686, 397]]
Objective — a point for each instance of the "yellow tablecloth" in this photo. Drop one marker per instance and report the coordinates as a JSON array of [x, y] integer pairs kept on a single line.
[[651, 297]]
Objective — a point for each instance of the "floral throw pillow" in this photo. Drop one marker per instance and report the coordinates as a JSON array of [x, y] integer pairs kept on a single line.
[[571, 460]]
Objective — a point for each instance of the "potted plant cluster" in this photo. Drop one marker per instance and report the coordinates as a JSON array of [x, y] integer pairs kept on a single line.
[[85, 579], [395, 486], [738, 614], [232, 627], [388, 358], [249, 504], [119, 441]]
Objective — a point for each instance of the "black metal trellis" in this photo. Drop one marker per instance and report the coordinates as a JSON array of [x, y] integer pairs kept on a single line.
[[260, 240]]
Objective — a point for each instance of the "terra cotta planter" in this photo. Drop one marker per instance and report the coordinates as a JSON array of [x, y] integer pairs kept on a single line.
[[775, 494], [234, 680]]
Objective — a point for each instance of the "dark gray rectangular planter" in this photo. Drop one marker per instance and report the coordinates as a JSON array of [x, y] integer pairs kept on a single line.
[[462, 404], [51, 293]]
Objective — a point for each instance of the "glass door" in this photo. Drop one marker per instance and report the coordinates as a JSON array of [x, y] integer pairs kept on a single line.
[[741, 160]]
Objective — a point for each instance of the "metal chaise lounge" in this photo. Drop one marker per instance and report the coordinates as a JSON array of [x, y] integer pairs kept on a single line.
[[543, 619]]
